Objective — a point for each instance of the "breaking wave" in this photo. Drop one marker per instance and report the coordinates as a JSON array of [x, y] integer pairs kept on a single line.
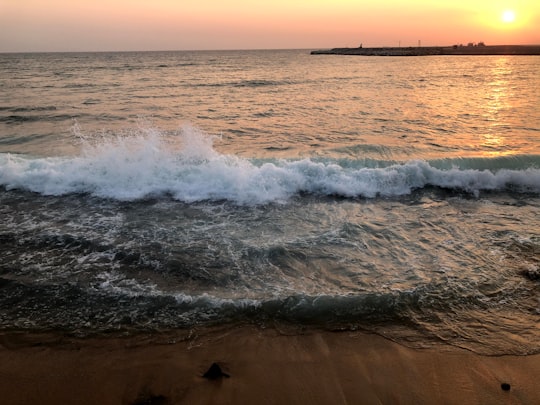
[[189, 169]]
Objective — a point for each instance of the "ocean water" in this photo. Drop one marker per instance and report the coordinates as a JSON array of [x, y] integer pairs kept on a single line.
[[143, 192]]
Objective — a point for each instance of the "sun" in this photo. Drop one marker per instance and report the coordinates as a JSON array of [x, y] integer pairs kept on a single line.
[[508, 16]]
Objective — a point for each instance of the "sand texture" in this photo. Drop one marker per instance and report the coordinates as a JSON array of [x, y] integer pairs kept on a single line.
[[262, 366]]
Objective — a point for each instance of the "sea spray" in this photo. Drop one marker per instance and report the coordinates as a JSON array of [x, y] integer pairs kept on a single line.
[[185, 165]]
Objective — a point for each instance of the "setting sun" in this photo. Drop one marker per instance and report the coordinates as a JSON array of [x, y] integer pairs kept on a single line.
[[508, 16]]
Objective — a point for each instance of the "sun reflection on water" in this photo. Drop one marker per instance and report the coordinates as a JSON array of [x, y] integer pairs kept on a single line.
[[498, 97]]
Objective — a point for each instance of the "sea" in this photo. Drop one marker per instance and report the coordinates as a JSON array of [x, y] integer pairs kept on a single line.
[[143, 192]]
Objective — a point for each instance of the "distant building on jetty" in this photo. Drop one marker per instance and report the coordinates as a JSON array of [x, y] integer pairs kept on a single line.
[[471, 49]]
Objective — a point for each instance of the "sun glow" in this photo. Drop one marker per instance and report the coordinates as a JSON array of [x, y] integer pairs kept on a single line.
[[508, 16], [55, 25]]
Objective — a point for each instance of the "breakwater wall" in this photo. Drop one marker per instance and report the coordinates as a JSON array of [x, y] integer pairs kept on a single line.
[[435, 50]]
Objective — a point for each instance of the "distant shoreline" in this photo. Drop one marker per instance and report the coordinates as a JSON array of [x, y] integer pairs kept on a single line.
[[435, 50]]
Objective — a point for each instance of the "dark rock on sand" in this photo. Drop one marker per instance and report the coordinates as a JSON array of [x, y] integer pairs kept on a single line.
[[215, 372], [532, 273]]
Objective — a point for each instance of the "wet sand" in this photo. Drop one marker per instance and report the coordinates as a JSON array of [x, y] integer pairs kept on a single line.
[[264, 366]]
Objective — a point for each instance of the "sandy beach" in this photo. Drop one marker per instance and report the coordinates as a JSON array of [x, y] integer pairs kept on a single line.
[[262, 366]]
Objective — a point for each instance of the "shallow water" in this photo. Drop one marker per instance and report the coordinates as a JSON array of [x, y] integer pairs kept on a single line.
[[148, 191]]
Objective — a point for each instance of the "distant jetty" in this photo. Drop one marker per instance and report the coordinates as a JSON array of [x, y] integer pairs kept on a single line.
[[470, 49]]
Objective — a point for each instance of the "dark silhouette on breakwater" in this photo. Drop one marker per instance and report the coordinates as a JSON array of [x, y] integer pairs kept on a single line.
[[470, 49]]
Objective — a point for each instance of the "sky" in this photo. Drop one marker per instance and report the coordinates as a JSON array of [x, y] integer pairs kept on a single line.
[[138, 25]]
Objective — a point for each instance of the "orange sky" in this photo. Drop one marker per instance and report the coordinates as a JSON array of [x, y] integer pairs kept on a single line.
[[101, 25]]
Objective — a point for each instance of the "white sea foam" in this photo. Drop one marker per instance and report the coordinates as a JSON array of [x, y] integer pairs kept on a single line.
[[116, 283], [189, 169]]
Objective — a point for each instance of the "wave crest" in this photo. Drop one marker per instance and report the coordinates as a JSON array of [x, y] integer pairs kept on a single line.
[[189, 169]]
